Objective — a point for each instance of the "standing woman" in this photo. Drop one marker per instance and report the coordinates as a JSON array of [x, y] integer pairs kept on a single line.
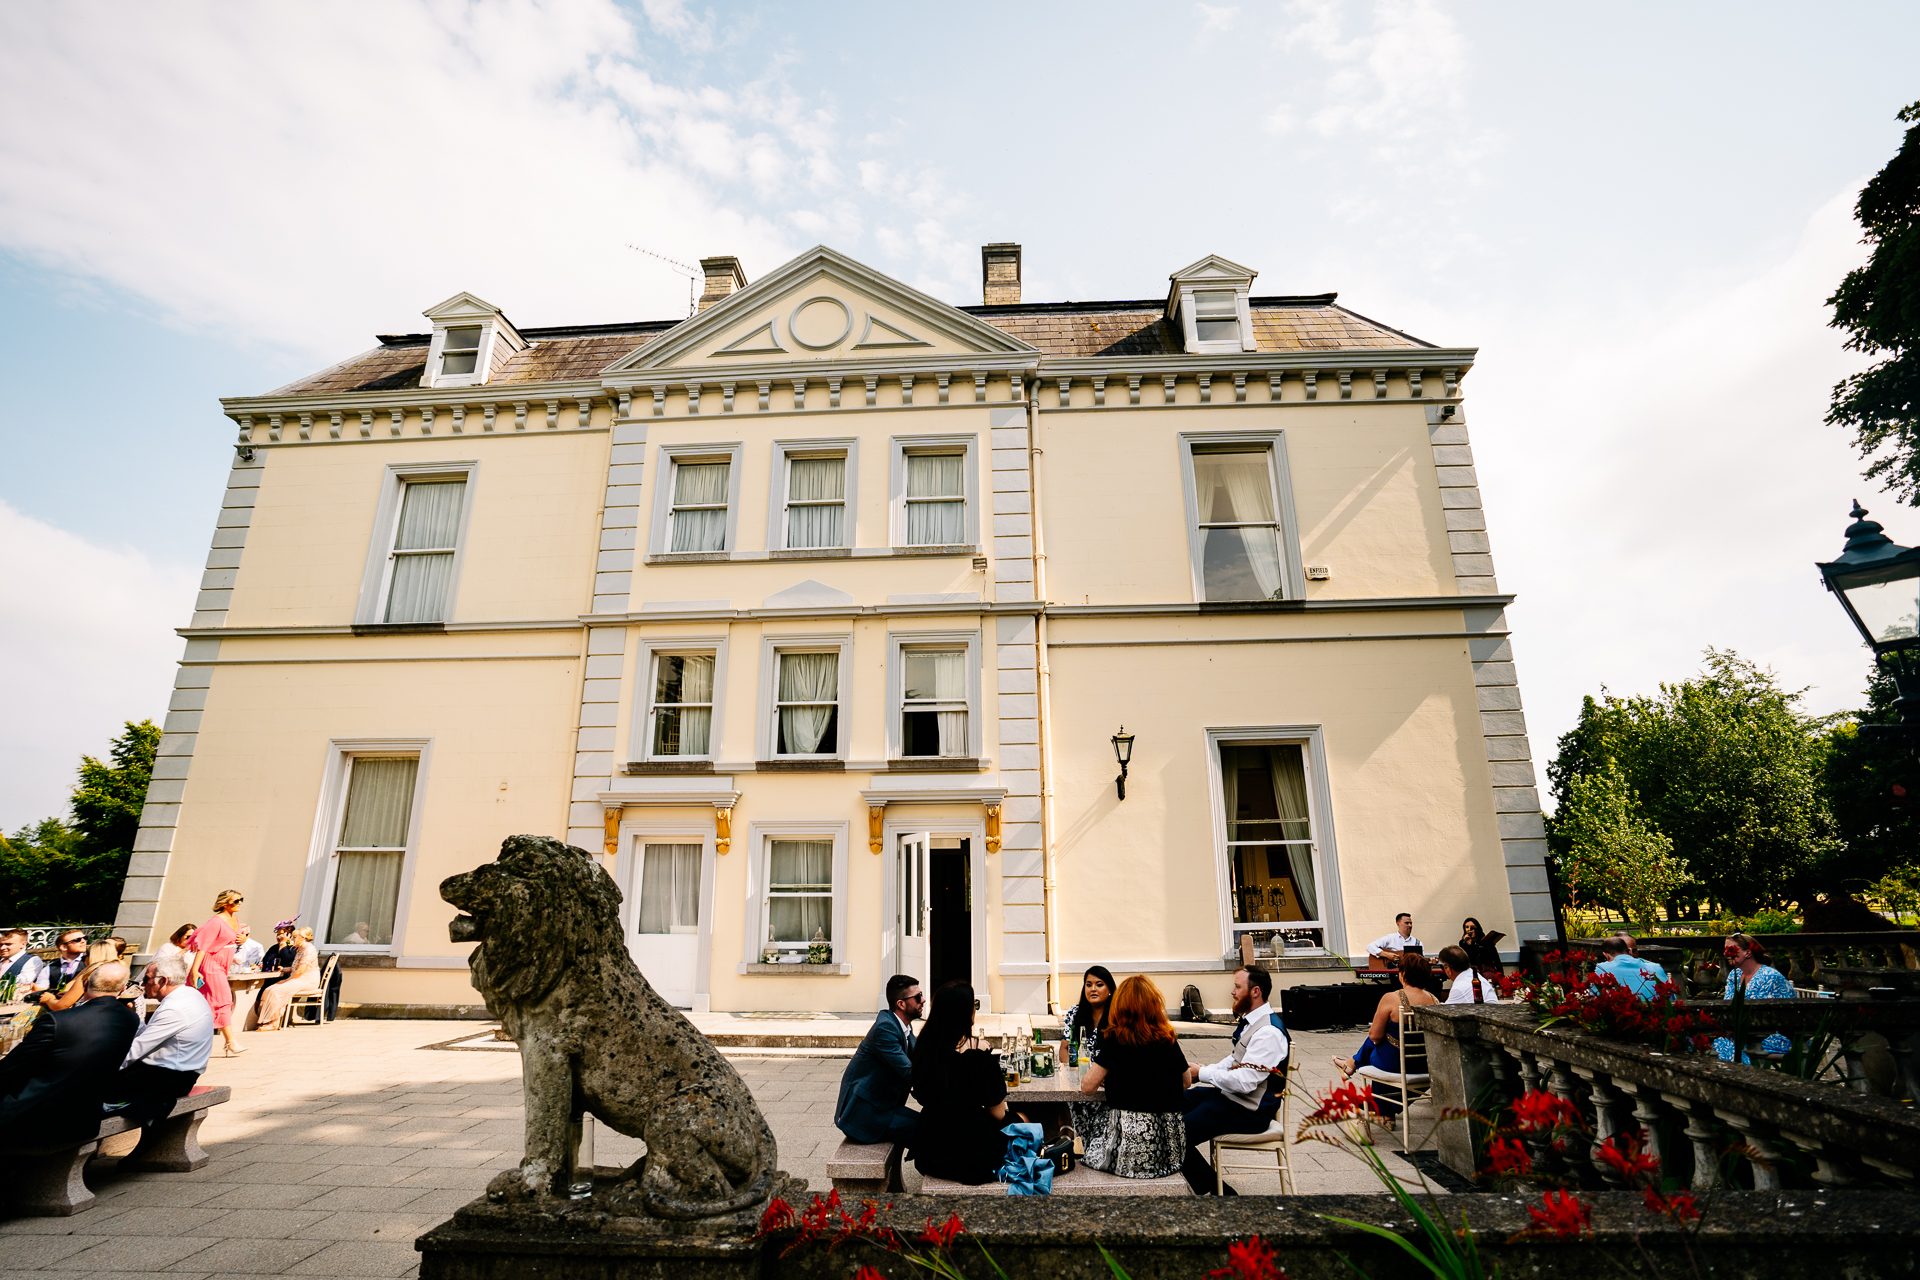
[[962, 1094], [213, 944], [1144, 1072], [1482, 948], [1089, 1016]]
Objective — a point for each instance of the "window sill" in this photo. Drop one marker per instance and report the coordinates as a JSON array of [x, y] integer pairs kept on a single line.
[[800, 766], [398, 628], [1252, 606], [934, 764], [795, 970], [689, 557], [813, 553], [968, 549], [365, 960], [643, 767]]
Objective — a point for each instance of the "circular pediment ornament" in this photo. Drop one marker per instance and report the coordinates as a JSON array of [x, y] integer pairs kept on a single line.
[[846, 327]]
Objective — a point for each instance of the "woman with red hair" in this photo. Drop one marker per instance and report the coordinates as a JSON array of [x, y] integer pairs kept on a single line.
[[1140, 1063]]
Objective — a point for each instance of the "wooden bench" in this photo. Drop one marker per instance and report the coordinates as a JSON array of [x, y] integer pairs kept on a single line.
[[50, 1182], [1081, 1182], [865, 1168]]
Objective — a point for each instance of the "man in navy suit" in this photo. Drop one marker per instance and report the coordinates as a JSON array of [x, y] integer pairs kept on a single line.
[[51, 1085], [873, 1092]]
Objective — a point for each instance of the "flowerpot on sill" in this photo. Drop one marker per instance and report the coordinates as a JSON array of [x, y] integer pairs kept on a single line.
[[819, 950]]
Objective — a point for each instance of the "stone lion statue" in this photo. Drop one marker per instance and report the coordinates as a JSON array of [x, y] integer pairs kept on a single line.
[[553, 966]]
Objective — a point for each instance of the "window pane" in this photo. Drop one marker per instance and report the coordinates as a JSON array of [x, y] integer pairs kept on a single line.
[[800, 866], [429, 515], [700, 530], [1241, 564], [795, 919], [814, 526], [420, 585], [464, 338], [1213, 302], [681, 731], [670, 889], [935, 524], [684, 678], [936, 674], [1233, 487], [808, 678], [366, 890], [936, 475], [379, 800], [1216, 330], [1265, 793], [700, 483], [817, 479], [459, 362]]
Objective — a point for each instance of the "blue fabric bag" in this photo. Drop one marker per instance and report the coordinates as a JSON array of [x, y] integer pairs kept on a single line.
[[1026, 1172]]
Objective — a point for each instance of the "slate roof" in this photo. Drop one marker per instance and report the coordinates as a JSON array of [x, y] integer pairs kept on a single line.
[[1133, 328]]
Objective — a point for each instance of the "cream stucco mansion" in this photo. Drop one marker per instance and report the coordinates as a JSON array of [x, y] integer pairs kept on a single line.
[[818, 615]]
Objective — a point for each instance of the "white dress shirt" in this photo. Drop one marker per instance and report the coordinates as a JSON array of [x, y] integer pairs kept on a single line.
[[1461, 992], [1392, 942], [179, 1035], [1243, 1074], [32, 974], [250, 953]]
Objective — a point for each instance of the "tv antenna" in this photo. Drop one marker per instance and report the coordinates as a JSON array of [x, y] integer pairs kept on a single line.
[[692, 274]]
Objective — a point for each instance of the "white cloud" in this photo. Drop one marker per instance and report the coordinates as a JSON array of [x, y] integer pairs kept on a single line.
[[1217, 17], [86, 640]]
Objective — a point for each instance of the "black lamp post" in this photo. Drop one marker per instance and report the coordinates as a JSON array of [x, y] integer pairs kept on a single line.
[[1123, 752], [1878, 582]]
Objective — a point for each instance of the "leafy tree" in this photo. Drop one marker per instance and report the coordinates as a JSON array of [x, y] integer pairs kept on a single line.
[[1724, 765], [1873, 783], [1614, 853], [1878, 305], [55, 872]]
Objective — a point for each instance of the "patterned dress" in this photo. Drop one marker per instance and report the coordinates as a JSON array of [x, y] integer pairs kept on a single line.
[[1767, 983], [1144, 1134], [1089, 1118]]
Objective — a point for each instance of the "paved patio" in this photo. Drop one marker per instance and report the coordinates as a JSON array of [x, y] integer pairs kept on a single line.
[[343, 1143]]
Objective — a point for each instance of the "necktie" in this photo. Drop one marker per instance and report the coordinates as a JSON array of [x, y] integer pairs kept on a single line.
[[1238, 1027]]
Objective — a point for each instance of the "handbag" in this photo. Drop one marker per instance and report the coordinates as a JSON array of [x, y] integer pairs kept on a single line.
[[1060, 1151]]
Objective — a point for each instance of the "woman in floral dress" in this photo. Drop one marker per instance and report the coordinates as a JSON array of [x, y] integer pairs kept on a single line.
[[1746, 966]]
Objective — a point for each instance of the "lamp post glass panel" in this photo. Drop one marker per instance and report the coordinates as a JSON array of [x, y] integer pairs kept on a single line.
[[1878, 583], [1123, 751]]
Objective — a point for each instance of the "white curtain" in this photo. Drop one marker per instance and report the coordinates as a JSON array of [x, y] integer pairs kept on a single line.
[[366, 889], [808, 677], [1237, 488], [1290, 794], [670, 889], [941, 677], [678, 730], [800, 889], [700, 484], [936, 475], [953, 733], [1230, 787], [822, 481], [429, 522], [379, 800]]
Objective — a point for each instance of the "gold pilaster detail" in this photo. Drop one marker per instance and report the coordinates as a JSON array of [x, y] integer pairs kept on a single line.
[[876, 813], [993, 828]]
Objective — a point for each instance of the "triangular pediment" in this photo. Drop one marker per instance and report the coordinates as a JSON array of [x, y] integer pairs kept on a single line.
[[822, 306], [461, 306], [809, 594], [1213, 268]]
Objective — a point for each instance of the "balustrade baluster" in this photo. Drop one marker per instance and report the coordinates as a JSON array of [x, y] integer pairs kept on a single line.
[[1906, 1085], [1606, 1105], [1832, 1167], [1762, 1155], [1646, 1113], [1702, 1135]]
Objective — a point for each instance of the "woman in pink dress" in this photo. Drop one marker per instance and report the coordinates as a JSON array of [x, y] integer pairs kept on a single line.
[[212, 945]]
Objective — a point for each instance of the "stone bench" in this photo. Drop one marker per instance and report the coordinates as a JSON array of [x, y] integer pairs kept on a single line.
[[865, 1168], [50, 1182], [1081, 1182]]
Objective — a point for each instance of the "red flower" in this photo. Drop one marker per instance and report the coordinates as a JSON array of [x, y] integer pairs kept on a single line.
[[1507, 1157], [1624, 1153], [778, 1217], [1679, 1206], [868, 1273], [1561, 1214], [1345, 1103], [1542, 1110], [1250, 1260], [941, 1236]]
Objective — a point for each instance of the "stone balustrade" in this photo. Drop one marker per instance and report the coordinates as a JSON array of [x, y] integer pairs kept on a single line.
[[1805, 958], [1711, 1123]]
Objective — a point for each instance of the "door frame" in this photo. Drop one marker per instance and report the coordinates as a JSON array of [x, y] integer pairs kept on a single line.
[[627, 862], [974, 832]]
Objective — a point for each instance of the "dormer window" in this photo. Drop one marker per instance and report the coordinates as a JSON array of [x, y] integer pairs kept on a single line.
[[472, 339], [1210, 304]]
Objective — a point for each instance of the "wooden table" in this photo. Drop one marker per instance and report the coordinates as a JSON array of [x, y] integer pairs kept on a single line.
[[246, 995], [1061, 1087]]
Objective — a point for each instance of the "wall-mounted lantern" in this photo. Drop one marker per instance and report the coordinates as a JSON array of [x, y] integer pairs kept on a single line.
[[1123, 752], [1877, 582]]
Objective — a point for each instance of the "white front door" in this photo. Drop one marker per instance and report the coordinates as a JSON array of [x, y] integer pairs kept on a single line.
[[666, 938], [910, 902]]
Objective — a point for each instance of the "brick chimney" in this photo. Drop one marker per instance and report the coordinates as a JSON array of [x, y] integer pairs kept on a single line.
[[1000, 273], [724, 277]]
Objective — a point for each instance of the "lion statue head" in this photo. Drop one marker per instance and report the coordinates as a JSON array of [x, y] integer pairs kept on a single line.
[[538, 903]]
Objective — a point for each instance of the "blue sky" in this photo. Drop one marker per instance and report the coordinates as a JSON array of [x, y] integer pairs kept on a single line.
[[1634, 211]]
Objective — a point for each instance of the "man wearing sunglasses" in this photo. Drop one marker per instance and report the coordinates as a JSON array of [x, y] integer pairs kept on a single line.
[[873, 1092]]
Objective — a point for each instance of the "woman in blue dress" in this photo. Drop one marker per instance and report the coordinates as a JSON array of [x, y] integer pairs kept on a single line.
[[1746, 966]]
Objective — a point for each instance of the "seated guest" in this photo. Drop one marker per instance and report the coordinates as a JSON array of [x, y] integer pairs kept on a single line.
[[1241, 1092], [1464, 986], [169, 1053], [1642, 976], [1088, 1017], [1140, 1064], [27, 970], [1381, 1048], [51, 1084], [176, 944], [1389, 947], [962, 1094], [1482, 948], [249, 953], [1747, 969], [280, 954], [301, 974], [65, 967], [872, 1106], [74, 992]]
